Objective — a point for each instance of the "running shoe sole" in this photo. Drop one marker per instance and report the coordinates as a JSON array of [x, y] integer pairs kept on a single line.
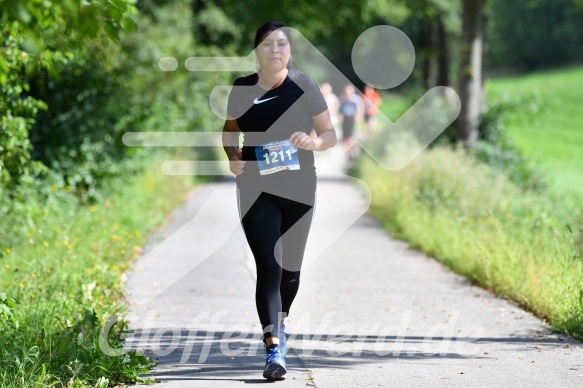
[[275, 372]]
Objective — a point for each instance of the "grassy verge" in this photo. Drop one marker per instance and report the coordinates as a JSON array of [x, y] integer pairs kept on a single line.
[[59, 284], [522, 246], [549, 127]]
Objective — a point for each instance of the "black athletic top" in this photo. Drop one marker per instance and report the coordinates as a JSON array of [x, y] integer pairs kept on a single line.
[[266, 116]]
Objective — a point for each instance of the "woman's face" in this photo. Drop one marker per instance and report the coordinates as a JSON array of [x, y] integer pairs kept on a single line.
[[273, 52]]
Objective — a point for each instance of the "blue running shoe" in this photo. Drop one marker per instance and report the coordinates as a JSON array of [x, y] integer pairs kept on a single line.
[[283, 337], [274, 364]]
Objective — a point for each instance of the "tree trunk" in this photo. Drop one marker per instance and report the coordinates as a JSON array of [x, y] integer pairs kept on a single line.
[[424, 45], [427, 52], [442, 54], [470, 77], [199, 31]]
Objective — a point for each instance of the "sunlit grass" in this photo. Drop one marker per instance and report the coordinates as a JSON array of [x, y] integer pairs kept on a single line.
[[551, 129], [525, 247], [547, 125]]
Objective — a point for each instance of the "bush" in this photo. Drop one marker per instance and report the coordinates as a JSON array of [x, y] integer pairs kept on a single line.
[[497, 150], [37, 38]]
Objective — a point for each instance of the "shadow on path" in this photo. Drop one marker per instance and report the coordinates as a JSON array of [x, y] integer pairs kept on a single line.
[[222, 355]]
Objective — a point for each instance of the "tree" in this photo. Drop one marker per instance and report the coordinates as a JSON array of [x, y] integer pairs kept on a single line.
[[38, 37], [470, 74], [516, 44]]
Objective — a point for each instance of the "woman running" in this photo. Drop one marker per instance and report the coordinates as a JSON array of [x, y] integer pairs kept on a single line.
[[276, 109]]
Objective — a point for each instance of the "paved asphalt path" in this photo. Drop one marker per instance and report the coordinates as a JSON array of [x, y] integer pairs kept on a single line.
[[370, 312]]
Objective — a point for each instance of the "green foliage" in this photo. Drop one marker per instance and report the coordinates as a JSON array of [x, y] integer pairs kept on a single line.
[[83, 344], [176, 101], [71, 355], [495, 146], [17, 112], [171, 101], [7, 306], [66, 278], [91, 107], [351, 18], [496, 149], [385, 12], [79, 137], [62, 258], [537, 33], [39, 21], [214, 27], [42, 36], [76, 223]]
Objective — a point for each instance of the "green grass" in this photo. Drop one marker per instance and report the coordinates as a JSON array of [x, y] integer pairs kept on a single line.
[[474, 220], [545, 122], [521, 244], [394, 105], [549, 126], [65, 279]]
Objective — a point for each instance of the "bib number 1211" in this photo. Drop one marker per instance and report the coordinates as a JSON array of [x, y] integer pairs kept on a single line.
[[277, 156], [272, 157]]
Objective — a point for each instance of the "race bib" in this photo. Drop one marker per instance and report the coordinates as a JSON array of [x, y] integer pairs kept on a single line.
[[276, 156]]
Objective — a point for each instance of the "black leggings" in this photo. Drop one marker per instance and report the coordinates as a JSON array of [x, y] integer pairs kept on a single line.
[[277, 231]]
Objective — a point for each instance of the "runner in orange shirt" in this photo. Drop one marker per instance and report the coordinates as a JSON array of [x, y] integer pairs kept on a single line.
[[372, 99]]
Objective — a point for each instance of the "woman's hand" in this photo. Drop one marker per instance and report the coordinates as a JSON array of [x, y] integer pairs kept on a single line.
[[236, 164], [303, 140]]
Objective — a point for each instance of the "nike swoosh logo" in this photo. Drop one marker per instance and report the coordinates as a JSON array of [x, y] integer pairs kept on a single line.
[[256, 101]]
